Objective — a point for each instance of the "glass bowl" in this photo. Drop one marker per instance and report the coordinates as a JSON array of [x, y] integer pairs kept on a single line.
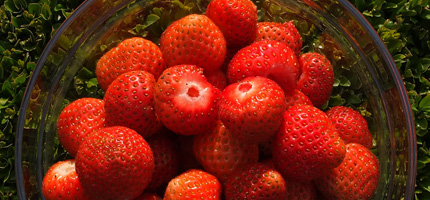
[[366, 77]]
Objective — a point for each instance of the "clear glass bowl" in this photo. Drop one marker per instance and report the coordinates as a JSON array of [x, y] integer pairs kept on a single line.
[[362, 64]]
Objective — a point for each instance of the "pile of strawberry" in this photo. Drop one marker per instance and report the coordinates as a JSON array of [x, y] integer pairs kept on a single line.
[[224, 107]]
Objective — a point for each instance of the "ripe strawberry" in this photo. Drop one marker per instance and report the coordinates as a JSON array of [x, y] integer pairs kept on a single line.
[[266, 58], [218, 79], [148, 196], [221, 154], [187, 159], [184, 101], [351, 126], [62, 182], [355, 178], [301, 191], [115, 163], [130, 55], [297, 98], [307, 145], [317, 78], [78, 120], [237, 20], [255, 181], [193, 184], [193, 40], [252, 108], [129, 102]]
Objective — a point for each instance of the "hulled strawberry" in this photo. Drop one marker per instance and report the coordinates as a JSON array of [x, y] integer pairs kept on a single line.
[[307, 145], [193, 184], [351, 125], [286, 33], [297, 98], [129, 102], [266, 58], [194, 40], [355, 178], [115, 163], [252, 108], [132, 54], [148, 196], [218, 79], [78, 120], [316, 78], [185, 101]]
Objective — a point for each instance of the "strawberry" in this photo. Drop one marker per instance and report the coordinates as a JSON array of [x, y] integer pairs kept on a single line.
[[185, 101], [297, 98], [307, 145], [300, 191], [186, 153], [148, 196], [355, 178], [266, 58], [79, 119], [252, 108], [193, 184], [221, 154], [218, 79], [129, 102], [62, 182], [255, 181], [316, 78], [130, 55], [237, 20], [193, 40], [351, 125], [115, 163], [286, 33]]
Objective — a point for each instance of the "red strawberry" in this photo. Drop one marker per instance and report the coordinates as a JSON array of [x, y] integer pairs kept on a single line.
[[186, 154], [194, 40], [351, 126], [255, 181], [130, 55], [62, 182], [252, 108], [218, 79], [115, 163], [221, 154], [301, 191], [317, 78], [237, 20], [185, 101], [148, 196], [129, 102], [193, 184], [297, 98], [355, 178], [307, 145], [266, 58], [78, 120]]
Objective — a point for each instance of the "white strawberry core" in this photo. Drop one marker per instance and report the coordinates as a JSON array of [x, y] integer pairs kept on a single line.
[[65, 168]]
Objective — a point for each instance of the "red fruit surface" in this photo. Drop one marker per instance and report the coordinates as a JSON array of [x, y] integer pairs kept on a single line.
[[132, 54], [185, 101], [307, 145], [351, 125], [148, 196], [356, 177], [187, 159], [237, 20], [194, 40], [193, 184], [266, 58], [115, 163], [221, 154], [78, 120], [301, 191], [255, 181], [316, 78], [129, 102], [297, 98], [62, 182], [252, 108], [217, 78], [286, 33]]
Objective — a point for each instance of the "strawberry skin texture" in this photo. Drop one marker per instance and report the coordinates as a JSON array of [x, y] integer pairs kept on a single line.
[[193, 184], [79, 119], [286, 33], [307, 145], [132, 54], [237, 20], [316, 78], [218, 79], [194, 40], [129, 102], [61, 182], [351, 125], [297, 98], [148, 196], [221, 154], [252, 108], [266, 58], [356, 177], [115, 163], [300, 191], [185, 101]]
